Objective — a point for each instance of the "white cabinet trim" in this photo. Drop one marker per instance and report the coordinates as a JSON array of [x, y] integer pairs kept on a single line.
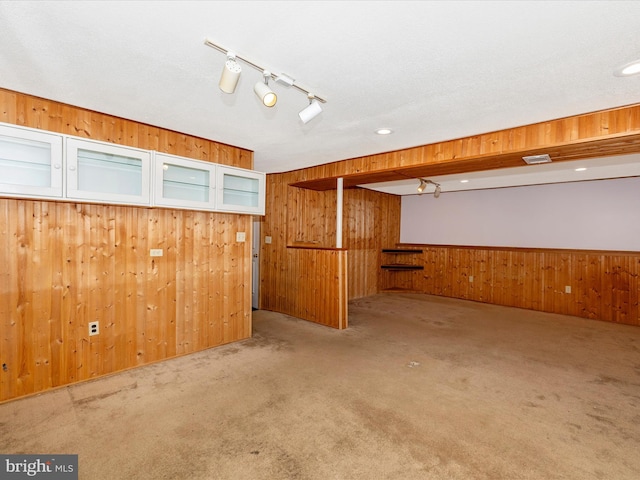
[[55, 177]]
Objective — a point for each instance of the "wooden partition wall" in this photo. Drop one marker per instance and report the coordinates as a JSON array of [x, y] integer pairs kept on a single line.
[[67, 264], [302, 227], [601, 285], [300, 210]]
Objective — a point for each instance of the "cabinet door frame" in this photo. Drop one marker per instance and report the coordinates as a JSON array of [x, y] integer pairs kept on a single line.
[[221, 206], [160, 159], [74, 144], [55, 190]]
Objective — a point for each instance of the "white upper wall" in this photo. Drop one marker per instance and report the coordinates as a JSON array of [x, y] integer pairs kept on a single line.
[[594, 215]]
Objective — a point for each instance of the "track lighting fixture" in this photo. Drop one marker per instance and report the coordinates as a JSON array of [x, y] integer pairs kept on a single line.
[[311, 111], [423, 186], [264, 93], [231, 75]]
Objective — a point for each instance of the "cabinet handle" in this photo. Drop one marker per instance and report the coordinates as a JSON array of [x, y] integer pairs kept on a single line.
[[57, 166], [72, 167]]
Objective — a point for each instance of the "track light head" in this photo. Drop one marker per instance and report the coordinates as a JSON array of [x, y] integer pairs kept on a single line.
[[423, 186], [311, 111], [230, 74], [264, 93]]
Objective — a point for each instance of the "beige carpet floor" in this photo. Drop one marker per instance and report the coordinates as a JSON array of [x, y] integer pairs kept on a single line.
[[419, 387]]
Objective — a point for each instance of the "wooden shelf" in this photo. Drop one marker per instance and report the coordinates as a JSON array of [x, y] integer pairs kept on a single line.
[[401, 250], [401, 266]]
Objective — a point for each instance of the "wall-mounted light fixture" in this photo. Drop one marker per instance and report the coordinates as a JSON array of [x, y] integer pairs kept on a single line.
[[231, 75], [423, 185]]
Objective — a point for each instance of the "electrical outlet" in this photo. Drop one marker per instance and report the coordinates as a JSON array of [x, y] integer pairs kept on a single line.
[[156, 252], [267, 240], [470, 278], [240, 236], [94, 328], [567, 289]]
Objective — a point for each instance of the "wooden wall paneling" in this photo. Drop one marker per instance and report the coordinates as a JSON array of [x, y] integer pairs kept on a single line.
[[27, 325], [604, 285], [213, 312], [8, 324], [593, 276], [67, 264], [368, 217], [126, 236], [8, 106], [40, 285], [616, 299], [56, 321]]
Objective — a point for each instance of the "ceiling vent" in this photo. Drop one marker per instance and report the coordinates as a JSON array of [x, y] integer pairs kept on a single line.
[[536, 159]]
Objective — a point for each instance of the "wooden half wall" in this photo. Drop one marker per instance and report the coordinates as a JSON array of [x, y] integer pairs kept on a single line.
[[302, 273], [301, 211], [67, 264], [600, 285]]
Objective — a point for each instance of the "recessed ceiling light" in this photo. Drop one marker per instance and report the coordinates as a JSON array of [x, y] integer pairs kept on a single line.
[[631, 68], [581, 169], [384, 131], [464, 181]]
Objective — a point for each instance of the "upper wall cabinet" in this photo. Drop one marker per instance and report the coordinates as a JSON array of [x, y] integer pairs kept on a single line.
[[31, 163], [104, 172], [183, 183], [38, 164], [239, 190]]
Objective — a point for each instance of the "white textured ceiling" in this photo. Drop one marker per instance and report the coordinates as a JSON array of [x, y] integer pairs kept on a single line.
[[429, 70]]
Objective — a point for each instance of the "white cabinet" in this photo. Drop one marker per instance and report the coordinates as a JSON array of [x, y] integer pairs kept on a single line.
[[30, 163], [107, 173], [183, 183], [39, 164], [239, 190]]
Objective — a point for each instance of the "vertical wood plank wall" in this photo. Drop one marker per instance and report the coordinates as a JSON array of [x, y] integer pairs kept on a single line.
[[297, 217], [371, 222], [67, 264], [604, 285]]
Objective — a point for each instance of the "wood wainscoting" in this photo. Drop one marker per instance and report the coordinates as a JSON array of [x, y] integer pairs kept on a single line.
[[67, 264], [602, 285]]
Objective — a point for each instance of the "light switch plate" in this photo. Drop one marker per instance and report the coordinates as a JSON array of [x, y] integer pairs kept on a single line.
[[267, 240], [156, 252], [241, 236]]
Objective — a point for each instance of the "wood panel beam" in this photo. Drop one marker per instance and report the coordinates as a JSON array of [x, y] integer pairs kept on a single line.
[[599, 134]]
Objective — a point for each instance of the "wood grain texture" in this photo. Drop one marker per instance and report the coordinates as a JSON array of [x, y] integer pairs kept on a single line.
[[68, 264], [597, 134], [302, 217], [604, 285]]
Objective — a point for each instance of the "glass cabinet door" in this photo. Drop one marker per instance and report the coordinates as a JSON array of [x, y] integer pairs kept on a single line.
[[240, 191], [30, 162], [107, 173], [183, 183]]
